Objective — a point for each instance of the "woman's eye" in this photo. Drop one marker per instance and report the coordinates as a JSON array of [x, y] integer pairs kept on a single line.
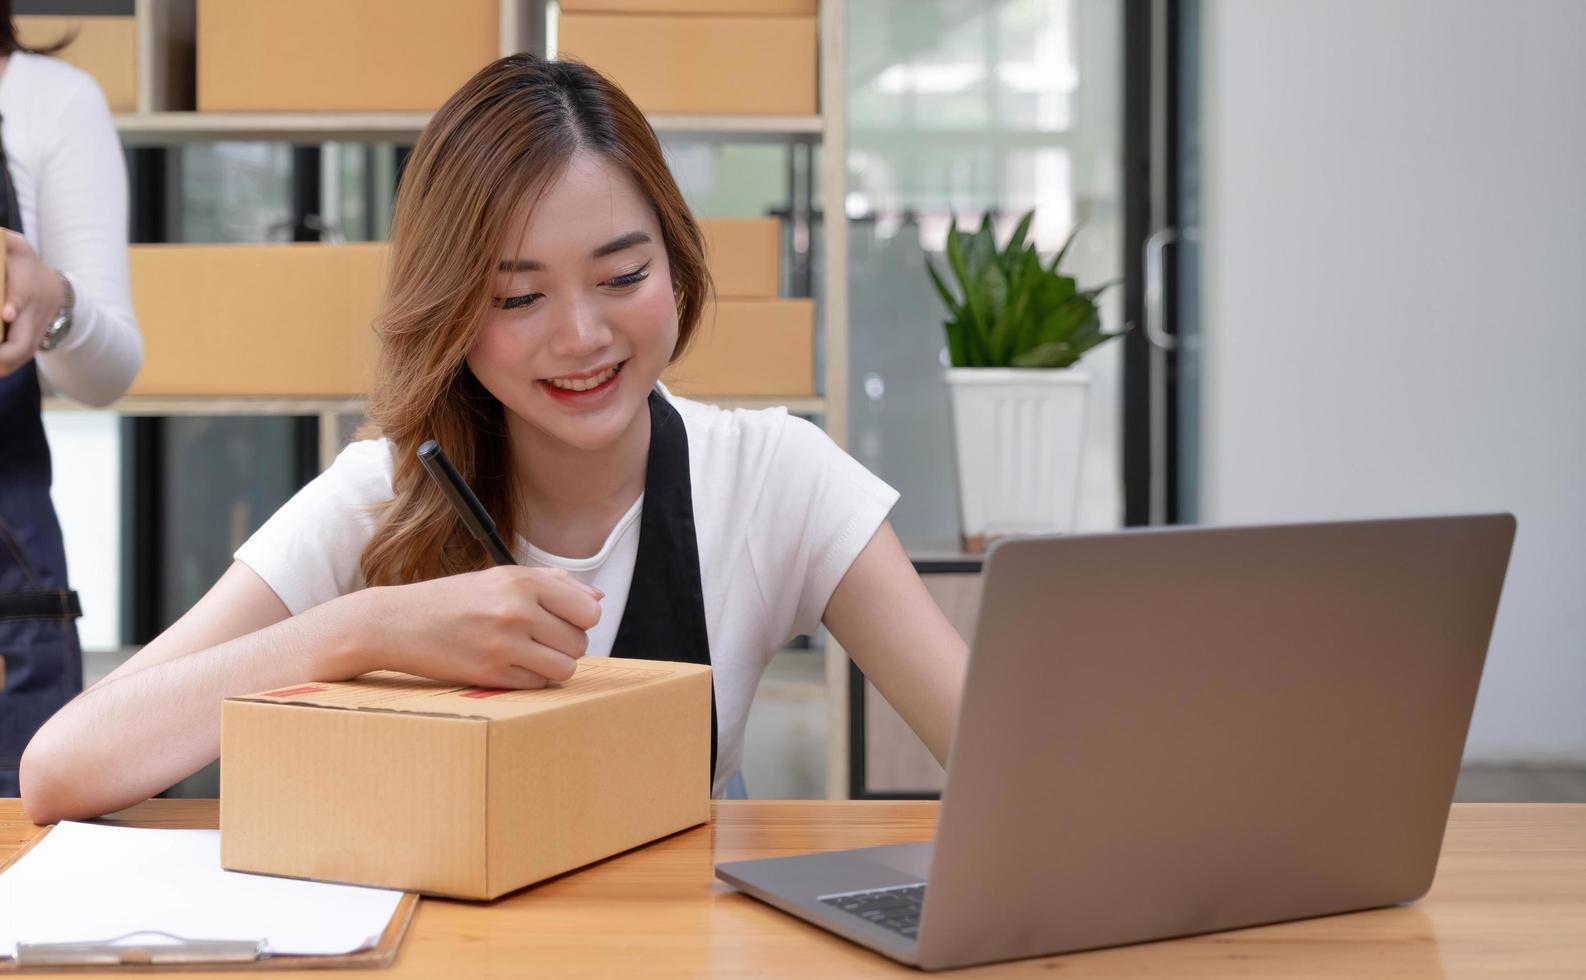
[[518, 302], [631, 279]]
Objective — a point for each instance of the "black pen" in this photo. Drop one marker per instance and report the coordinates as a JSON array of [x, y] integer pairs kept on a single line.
[[463, 501]]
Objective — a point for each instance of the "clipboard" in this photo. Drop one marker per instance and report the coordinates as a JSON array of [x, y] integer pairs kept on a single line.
[[198, 955]]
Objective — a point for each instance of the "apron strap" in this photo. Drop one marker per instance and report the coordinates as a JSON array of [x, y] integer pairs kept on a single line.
[[40, 604], [665, 615], [12, 216]]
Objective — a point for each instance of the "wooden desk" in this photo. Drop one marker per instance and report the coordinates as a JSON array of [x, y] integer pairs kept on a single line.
[[1510, 899]]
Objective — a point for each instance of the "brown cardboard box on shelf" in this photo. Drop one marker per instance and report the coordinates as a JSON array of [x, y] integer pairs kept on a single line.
[[752, 7], [256, 320], [700, 64], [346, 56], [750, 347], [401, 782], [295, 320], [104, 47], [745, 256]]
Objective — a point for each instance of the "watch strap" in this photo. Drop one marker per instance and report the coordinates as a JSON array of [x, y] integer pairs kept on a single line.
[[62, 324]]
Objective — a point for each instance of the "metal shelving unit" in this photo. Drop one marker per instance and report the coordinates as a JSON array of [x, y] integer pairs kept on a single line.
[[164, 117]]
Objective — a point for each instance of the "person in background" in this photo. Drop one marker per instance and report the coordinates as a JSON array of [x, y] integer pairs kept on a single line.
[[68, 329]]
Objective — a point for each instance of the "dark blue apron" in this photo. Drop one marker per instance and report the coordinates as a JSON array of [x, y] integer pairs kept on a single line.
[[665, 615], [43, 666]]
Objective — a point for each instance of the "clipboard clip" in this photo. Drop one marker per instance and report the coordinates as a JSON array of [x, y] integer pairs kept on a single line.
[[122, 952]]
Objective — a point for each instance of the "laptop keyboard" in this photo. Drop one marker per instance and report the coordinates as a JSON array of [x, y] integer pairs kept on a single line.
[[897, 909]]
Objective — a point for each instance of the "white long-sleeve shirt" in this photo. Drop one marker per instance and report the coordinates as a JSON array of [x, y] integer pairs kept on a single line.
[[71, 182]]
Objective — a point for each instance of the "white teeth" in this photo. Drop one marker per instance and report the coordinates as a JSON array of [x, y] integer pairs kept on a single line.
[[583, 384]]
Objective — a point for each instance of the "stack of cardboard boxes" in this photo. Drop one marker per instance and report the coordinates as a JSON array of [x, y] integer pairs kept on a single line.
[[750, 343], [219, 320]]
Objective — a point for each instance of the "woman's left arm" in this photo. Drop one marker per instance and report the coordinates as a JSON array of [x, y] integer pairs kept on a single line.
[[82, 217], [883, 616]]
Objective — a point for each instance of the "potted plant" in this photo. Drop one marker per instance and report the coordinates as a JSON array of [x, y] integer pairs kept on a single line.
[[1015, 327]]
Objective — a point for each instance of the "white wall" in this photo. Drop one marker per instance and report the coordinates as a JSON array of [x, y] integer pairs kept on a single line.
[[1393, 322], [85, 450]]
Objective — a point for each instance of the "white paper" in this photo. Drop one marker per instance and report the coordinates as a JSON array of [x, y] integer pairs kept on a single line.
[[93, 883]]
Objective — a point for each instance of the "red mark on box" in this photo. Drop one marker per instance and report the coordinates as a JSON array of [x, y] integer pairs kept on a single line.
[[287, 692], [486, 692]]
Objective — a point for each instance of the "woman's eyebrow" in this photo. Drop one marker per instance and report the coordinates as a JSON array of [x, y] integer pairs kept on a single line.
[[629, 240], [612, 247], [520, 265]]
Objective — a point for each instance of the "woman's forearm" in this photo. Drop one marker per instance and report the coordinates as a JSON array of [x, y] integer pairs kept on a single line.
[[885, 618], [132, 737], [82, 231], [99, 358]]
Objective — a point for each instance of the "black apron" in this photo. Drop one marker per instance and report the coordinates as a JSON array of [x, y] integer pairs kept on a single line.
[[665, 615], [38, 630]]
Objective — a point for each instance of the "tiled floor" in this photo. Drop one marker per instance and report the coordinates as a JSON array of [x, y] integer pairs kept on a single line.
[[1516, 784], [784, 751], [785, 745]]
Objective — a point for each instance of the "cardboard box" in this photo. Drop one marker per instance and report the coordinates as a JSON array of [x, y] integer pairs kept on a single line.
[[745, 256], [692, 64], [105, 47], [257, 320], [340, 55], [740, 7], [750, 347], [401, 782], [296, 320]]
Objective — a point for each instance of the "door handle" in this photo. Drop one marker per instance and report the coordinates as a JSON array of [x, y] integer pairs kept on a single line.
[[1155, 332]]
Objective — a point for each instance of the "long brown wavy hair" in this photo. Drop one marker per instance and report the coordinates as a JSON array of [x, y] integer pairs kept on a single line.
[[500, 140]]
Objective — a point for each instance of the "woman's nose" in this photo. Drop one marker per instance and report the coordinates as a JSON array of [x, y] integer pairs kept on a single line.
[[580, 331]]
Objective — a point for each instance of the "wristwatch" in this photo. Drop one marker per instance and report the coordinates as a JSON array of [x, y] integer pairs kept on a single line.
[[62, 324]]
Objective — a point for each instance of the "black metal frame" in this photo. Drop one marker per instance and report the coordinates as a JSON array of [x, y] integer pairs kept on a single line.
[[150, 173], [1149, 67]]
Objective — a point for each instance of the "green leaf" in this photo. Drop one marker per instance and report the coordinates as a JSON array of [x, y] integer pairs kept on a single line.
[[953, 306], [1060, 324], [982, 247], [1087, 335], [1096, 291], [982, 300], [994, 288], [1060, 289], [1058, 258], [1045, 356], [1014, 251], [957, 261], [955, 343]]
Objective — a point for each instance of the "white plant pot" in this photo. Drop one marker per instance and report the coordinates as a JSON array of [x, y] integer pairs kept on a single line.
[[1018, 433]]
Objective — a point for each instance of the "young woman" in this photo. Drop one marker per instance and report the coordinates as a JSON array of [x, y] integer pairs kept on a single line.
[[544, 270], [66, 326]]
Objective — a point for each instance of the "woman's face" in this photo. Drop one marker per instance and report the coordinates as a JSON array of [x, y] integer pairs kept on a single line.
[[583, 318]]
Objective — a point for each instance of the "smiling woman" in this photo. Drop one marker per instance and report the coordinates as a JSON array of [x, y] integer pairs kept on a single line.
[[544, 272]]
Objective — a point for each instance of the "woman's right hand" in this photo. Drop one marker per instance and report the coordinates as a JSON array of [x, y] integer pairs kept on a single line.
[[507, 627]]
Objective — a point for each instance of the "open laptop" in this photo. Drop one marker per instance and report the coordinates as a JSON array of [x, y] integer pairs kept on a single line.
[[1177, 731]]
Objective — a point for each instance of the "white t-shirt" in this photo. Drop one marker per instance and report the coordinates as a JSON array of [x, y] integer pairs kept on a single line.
[[780, 512], [70, 177]]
